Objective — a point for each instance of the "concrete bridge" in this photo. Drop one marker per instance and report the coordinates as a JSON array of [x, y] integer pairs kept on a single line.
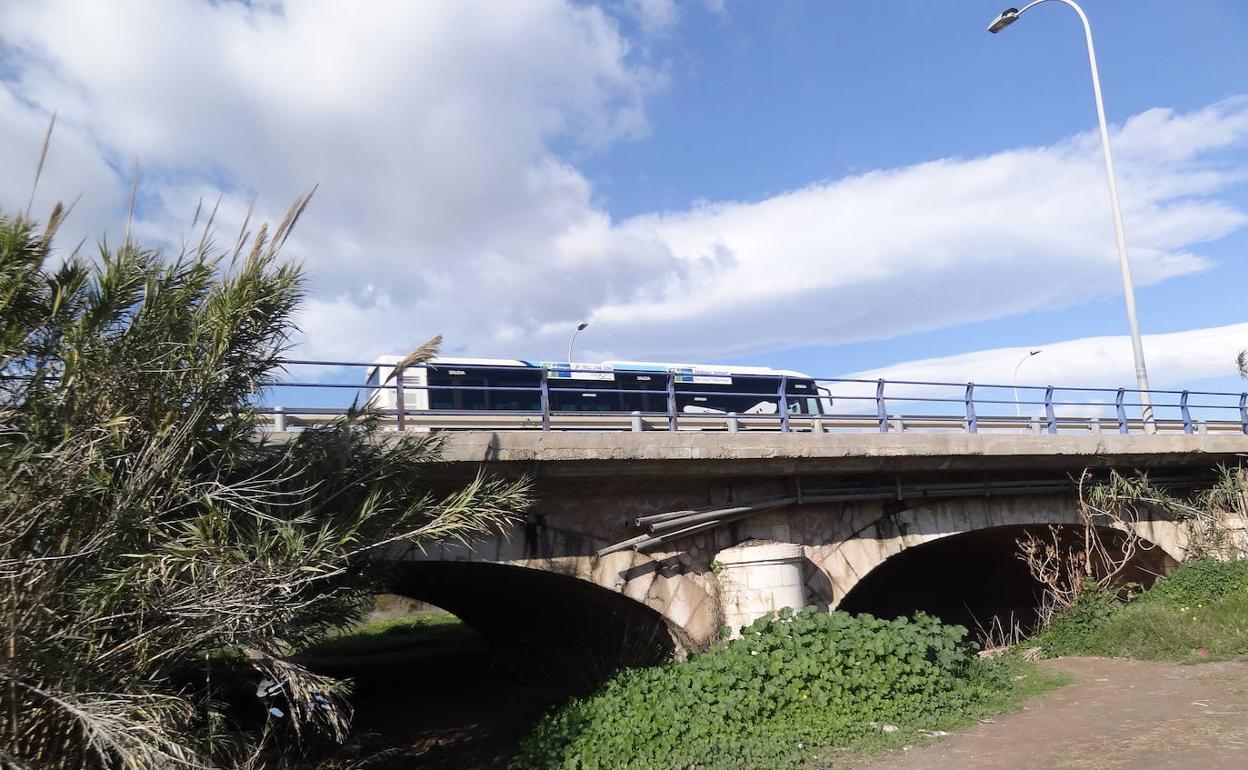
[[644, 542]]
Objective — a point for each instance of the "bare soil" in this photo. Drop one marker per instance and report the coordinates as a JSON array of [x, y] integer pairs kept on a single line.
[[1117, 714]]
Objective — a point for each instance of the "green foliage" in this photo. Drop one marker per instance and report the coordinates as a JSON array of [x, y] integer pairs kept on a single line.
[[1071, 632], [159, 558], [1201, 581], [424, 632], [791, 684], [1157, 631], [1200, 611]]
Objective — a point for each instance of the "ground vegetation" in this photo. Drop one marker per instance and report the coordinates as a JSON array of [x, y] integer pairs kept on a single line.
[[793, 690]]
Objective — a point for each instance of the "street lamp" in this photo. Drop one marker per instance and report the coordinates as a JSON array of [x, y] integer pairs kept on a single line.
[[1005, 19], [579, 328], [1018, 410]]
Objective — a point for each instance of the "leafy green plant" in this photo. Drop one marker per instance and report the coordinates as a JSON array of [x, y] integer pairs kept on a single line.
[[791, 684]]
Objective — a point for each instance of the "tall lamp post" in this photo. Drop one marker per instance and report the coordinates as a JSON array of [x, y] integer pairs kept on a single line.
[[579, 328], [1005, 19], [1018, 410]]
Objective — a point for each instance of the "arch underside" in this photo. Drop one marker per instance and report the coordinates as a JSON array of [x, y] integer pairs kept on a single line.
[[976, 579], [542, 621], [845, 558]]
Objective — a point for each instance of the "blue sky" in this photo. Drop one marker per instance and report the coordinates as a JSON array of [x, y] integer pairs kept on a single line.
[[765, 97], [842, 187]]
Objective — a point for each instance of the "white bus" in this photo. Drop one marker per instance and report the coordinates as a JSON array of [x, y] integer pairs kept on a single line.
[[513, 385]]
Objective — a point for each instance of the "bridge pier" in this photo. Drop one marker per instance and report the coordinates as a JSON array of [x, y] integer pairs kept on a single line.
[[757, 578]]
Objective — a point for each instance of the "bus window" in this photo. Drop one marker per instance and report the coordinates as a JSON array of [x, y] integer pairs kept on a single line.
[[583, 395], [655, 402], [747, 395], [451, 378], [515, 400], [743, 395]]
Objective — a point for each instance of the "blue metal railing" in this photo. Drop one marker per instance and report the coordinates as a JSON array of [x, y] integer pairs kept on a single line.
[[841, 404]]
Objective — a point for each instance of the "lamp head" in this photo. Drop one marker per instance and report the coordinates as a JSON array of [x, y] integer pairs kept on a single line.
[[1003, 20], [581, 326]]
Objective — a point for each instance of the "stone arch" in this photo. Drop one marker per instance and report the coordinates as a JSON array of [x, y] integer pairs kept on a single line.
[[669, 584], [540, 618], [976, 580], [847, 559]]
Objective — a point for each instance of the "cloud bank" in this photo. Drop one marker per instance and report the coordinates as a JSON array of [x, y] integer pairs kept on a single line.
[[445, 137], [1197, 358]]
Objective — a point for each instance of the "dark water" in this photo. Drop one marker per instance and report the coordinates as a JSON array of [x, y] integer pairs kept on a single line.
[[442, 710]]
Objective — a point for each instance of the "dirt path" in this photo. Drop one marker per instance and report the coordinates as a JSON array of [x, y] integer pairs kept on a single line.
[[1117, 714]]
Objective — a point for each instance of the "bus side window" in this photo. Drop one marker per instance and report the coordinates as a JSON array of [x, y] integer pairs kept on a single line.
[[451, 383], [642, 402]]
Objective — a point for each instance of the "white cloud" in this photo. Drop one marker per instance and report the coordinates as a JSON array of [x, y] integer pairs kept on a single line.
[[937, 244], [1175, 361], [443, 135], [430, 127], [654, 15]]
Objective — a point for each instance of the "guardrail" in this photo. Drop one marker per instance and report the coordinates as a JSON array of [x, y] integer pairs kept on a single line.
[[845, 405]]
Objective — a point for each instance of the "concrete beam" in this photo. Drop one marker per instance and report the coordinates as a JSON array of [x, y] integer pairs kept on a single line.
[[704, 453]]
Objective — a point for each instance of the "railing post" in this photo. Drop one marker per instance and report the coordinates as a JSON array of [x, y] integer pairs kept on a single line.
[[733, 424], [637, 425], [671, 401], [1243, 412], [971, 425], [1037, 426], [881, 409], [399, 404], [1187, 414], [1122, 412], [1049, 417], [1095, 424], [279, 419], [545, 399], [784, 404]]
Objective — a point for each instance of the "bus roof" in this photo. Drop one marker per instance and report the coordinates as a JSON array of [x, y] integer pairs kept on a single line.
[[651, 366]]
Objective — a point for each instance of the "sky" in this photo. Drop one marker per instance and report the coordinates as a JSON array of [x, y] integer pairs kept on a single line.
[[845, 188]]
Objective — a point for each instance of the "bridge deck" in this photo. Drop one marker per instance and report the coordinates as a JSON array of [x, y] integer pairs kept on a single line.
[[594, 454]]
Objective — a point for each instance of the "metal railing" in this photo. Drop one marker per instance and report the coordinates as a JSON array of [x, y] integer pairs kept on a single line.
[[842, 405]]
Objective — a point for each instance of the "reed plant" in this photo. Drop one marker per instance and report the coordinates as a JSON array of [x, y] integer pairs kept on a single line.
[[159, 559]]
